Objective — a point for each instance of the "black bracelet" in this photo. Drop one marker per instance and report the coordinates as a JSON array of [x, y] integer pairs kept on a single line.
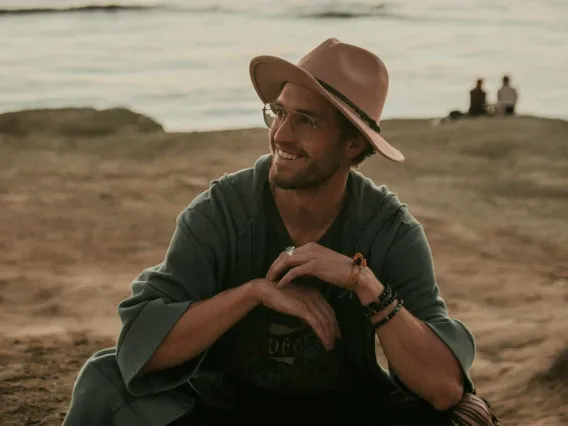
[[384, 300], [369, 313], [374, 306], [389, 316]]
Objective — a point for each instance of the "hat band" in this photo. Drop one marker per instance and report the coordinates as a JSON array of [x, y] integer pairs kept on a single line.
[[362, 114]]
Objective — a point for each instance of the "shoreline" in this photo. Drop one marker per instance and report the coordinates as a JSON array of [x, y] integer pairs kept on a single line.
[[129, 115]]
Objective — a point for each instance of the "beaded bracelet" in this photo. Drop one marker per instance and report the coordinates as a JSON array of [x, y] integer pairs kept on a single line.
[[389, 316], [384, 300], [359, 263]]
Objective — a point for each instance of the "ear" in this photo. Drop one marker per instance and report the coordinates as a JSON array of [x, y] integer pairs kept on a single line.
[[354, 146]]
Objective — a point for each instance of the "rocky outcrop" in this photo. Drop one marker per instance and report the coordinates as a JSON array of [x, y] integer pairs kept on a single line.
[[76, 122]]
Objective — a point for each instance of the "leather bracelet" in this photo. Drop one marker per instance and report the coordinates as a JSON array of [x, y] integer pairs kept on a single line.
[[359, 262], [384, 300], [389, 316]]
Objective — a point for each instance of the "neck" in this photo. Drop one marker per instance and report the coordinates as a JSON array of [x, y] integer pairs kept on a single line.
[[308, 213]]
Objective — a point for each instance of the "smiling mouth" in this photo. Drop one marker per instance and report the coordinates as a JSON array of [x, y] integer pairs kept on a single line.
[[286, 156]]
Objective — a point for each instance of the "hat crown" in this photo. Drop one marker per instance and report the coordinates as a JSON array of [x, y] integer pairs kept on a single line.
[[356, 73]]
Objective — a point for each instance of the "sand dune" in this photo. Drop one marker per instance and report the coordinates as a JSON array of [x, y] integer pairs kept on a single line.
[[88, 199]]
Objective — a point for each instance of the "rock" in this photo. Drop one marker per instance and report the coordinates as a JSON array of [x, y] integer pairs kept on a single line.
[[77, 122]]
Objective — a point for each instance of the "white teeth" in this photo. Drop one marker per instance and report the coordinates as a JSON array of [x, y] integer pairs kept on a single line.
[[287, 156]]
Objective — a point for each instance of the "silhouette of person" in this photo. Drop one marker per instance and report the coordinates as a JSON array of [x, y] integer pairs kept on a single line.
[[477, 100], [507, 97]]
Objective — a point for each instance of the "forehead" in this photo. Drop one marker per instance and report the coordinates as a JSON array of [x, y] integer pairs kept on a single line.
[[299, 98]]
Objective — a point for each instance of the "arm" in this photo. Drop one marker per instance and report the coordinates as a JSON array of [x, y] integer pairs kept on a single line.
[[414, 352], [428, 351], [207, 320], [202, 324]]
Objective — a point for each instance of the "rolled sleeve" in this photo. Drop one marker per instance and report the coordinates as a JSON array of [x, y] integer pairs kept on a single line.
[[161, 295]]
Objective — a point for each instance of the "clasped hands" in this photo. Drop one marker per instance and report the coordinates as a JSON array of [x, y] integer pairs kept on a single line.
[[280, 293]]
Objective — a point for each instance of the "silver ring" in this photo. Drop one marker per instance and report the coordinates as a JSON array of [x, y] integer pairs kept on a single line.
[[289, 250]]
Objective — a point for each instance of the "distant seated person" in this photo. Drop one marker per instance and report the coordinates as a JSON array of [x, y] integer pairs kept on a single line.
[[507, 97], [477, 100]]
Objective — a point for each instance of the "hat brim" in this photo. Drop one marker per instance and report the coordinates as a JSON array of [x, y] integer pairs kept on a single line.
[[269, 73]]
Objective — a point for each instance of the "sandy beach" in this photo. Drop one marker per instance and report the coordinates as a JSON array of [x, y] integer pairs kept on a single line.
[[88, 199]]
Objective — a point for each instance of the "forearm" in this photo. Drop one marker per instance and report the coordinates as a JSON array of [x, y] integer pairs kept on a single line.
[[203, 323], [418, 357]]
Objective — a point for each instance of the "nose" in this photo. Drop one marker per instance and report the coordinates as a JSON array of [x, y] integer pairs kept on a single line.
[[285, 132]]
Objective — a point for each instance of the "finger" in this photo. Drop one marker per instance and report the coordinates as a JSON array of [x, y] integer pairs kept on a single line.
[[271, 274], [328, 319], [278, 267], [285, 262], [324, 317], [328, 311], [317, 324], [331, 315], [295, 272], [275, 265]]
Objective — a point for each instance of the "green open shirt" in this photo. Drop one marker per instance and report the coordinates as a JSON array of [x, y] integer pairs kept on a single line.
[[218, 244]]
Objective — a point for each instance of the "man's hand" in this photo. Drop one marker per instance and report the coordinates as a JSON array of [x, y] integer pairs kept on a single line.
[[302, 302], [311, 259]]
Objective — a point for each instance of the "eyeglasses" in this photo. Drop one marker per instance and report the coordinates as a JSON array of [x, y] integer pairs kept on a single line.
[[302, 124]]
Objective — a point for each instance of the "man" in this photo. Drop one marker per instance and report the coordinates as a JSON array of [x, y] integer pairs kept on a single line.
[[477, 100], [280, 278], [507, 97]]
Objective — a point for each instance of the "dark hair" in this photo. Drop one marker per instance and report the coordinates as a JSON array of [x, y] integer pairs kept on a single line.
[[349, 131], [506, 79]]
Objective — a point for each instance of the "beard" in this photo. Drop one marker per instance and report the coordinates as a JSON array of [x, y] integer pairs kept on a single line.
[[313, 174]]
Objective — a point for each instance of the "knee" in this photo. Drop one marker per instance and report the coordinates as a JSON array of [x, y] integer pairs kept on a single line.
[[98, 392], [100, 375], [474, 410]]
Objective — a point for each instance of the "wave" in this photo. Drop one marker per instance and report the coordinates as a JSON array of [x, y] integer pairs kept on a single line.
[[332, 14], [77, 9], [346, 11], [332, 11]]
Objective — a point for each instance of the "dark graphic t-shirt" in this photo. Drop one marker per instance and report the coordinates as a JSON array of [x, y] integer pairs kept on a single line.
[[278, 353]]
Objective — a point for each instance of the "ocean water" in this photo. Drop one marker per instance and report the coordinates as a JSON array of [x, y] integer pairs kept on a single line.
[[185, 62]]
